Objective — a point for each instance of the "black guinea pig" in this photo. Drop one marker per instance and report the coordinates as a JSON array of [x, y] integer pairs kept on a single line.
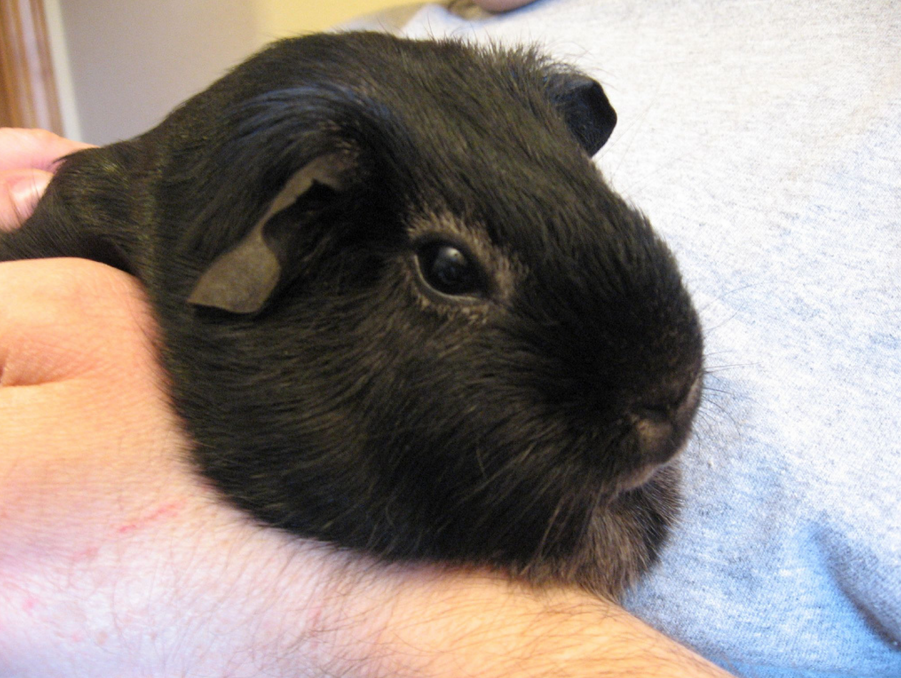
[[401, 310]]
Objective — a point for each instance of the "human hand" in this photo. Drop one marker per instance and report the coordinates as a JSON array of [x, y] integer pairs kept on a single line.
[[116, 559]]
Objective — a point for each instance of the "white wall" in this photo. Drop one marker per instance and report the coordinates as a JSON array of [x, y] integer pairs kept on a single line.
[[123, 64]]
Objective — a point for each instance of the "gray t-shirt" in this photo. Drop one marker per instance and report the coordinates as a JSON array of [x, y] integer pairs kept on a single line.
[[763, 139]]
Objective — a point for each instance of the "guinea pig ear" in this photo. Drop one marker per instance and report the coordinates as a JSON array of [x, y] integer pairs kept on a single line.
[[243, 279], [585, 108]]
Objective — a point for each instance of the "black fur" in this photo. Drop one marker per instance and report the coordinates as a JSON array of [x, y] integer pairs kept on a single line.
[[291, 225]]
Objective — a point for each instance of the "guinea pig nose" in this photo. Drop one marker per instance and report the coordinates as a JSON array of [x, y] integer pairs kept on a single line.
[[654, 430], [662, 425]]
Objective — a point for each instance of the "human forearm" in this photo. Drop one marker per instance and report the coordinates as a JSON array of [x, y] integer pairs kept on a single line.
[[435, 623]]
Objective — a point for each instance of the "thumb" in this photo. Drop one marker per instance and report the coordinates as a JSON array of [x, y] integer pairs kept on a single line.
[[20, 190]]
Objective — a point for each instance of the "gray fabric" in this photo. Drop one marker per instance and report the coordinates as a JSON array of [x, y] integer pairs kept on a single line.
[[763, 139]]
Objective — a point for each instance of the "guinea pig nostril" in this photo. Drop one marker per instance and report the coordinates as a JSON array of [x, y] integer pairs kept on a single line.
[[676, 403]]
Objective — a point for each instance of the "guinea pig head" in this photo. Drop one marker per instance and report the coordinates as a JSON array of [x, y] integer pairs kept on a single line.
[[439, 334]]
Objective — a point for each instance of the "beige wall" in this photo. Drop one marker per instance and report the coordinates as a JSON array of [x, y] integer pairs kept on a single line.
[[280, 18], [123, 65]]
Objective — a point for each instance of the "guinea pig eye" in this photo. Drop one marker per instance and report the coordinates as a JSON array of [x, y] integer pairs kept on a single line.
[[448, 269]]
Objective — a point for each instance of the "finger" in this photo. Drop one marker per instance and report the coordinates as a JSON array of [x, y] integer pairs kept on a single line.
[[20, 191], [33, 149], [62, 319]]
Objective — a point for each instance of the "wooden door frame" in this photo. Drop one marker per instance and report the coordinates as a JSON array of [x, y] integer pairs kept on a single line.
[[28, 94]]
